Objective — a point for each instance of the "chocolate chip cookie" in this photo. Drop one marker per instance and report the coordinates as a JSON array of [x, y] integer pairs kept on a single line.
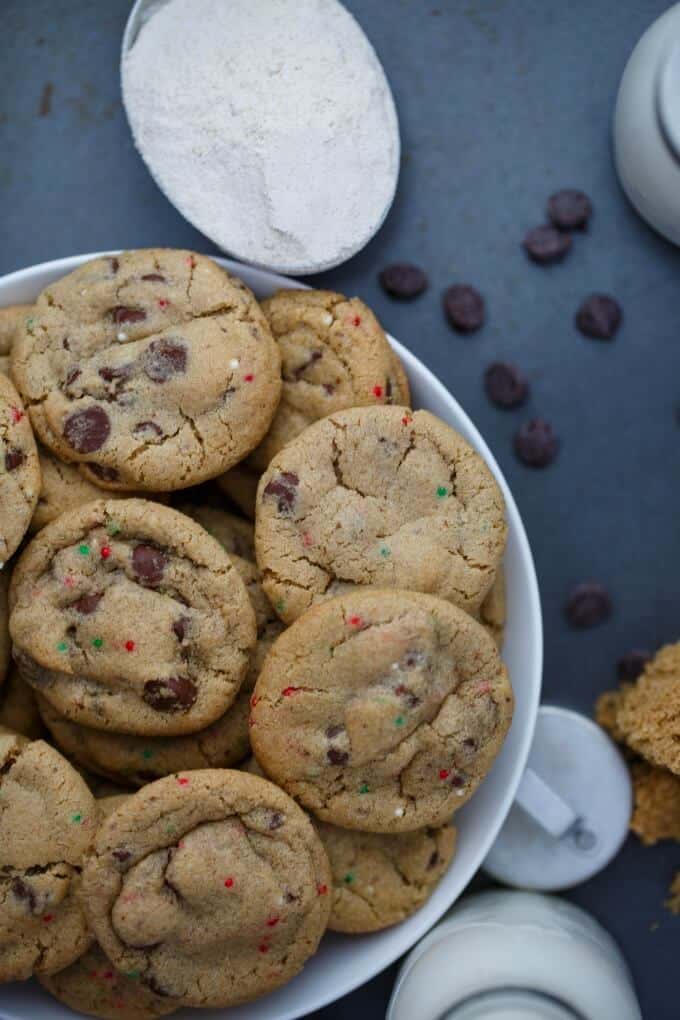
[[94, 987], [648, 715], [49, 818], [138, 760], [155, 369], [379, 879], [10, 319], [19, 470], [379, 497], [19, 708], [128, 616], [334, 354], [381, 710], [211, 884], [493, 610]]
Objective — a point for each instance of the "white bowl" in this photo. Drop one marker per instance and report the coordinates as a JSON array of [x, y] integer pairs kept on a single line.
[[344, 962]]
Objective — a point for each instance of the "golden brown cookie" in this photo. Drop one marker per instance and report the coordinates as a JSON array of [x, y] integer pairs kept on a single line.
[[379, 879], [656, 812], [10, 318], [649, 713], [128, 616], [381, 710], [49, 818], [155, 369], [19, 470], [493, 610], [19, 708], [606, 712], [212, 885], [380, 497]]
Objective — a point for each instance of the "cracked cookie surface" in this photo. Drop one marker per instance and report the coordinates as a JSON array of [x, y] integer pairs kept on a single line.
[[378, 497], [211, 884], [47, 821], [334, 354], [139, 760], [128, 616], [154, 369], [381, 710], [19, 470], [379, 879]]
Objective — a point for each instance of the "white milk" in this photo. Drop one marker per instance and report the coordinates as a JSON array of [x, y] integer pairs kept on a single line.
[[515, 956]]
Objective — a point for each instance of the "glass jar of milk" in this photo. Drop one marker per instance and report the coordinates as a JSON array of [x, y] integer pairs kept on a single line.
[[515, 956]]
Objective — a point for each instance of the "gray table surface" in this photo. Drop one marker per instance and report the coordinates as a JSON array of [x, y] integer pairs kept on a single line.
[[500, 103]]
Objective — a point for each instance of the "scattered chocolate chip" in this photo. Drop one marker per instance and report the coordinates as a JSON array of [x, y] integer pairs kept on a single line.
[[147, 426], [275, 821], [121, 314], [110, 374], [457, 780], [149, 563], [505, 385], [632, 664], [337, 757], [87, 431], [14, 458], [87, 604], [569, 209], [65, 344], [403, 280], [121, 855], [407, 694], [114, 263], [7, 765], [388, 390], [546, 244], [297, 373], [433, 861], [328, 389], [170, 694], [536, 445], [72, 375], [25, 893], [414, 658], [470, 742], [599, 317], [334, 731], [164, 358], [588, 605], [289, 897], [180, 627], [464, 308], [154, 278], [107, 474], [283, 488]]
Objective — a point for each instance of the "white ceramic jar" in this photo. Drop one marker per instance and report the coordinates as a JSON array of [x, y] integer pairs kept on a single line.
[[504, 955]]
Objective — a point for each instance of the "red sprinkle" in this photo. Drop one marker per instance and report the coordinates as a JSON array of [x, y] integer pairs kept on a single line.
[[108, 975], [444, 773], [16, 414], [263, 947], [93, 973], [273, 921], [484, 688], [322, 890], [191, 261], [356, 321], [69, 581], [254, 700], [229, 882], [163, 303], [251, 721], [48, 917], [129, 646], [183, 781], [377, 391], [105, 552], [406, 420], [287, 691], [249, 377], [355, 621]]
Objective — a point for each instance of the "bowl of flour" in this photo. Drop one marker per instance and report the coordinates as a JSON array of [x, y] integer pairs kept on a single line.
[[269, 124]]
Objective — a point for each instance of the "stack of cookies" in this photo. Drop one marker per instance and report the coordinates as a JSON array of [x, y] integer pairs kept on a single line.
[[228, 728]]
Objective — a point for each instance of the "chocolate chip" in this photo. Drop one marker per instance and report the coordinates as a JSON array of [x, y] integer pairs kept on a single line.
[[275, 820], [180, 627], [283, 487], [337, 757], [403, 280], [163, 359], [328, 389], [25, 893], [599, 317], [122, 313], [121, 855], [464, 308], [469, 742], [289, 897], [505, 385], [87, 604], [296, 373], [147, 426], [334, 731], [414, 658], [7, 765], [632, 664], [107, 474], [546, 244], [72, 375], [457, 781], [569, 209], [114, 263], [407, 694], [87, 431], [588, 605], [154, 278], [149, 563], [388, 390], [14, 458], [536, 445], [110, 374], [433, 861], [65, 344], [170, 694]]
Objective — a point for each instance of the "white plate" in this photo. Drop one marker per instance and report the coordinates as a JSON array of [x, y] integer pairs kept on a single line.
[[344, 962]]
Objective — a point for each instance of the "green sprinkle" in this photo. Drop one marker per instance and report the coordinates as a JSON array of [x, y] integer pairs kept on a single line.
[[349, 878], [442, 491], [84, 550], [29, 323], [279, 606], [62, 647], [132, 973], [170, 829], [76, 818], [97, 642], [399, 721], [385, 551], [363, 788], [147, 754]]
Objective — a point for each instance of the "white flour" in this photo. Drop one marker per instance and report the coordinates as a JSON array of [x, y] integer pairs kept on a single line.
[[268, 123]]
